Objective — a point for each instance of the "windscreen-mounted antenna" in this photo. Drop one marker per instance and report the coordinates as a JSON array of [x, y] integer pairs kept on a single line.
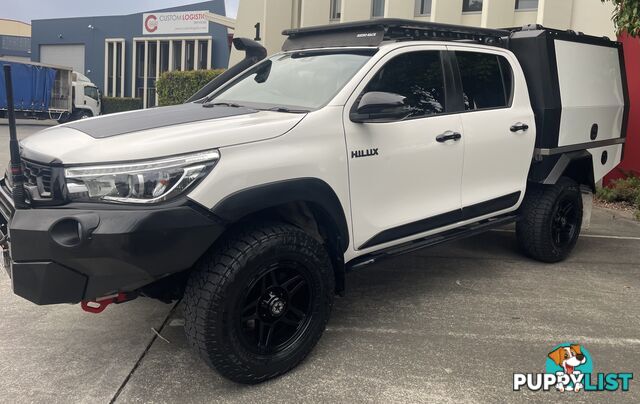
[[17, 179], [254, 52]]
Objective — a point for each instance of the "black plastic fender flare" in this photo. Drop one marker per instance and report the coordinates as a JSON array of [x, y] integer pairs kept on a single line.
[[312, 190]]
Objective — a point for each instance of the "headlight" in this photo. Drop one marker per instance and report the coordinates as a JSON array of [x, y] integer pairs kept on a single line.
[[139, 182]]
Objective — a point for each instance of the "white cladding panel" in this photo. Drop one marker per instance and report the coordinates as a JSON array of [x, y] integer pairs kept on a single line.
[[602, 167], [590, 90]]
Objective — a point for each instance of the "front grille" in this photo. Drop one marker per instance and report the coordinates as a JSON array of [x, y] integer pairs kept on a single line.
[[40, 181], [6, 206], [37, 175]]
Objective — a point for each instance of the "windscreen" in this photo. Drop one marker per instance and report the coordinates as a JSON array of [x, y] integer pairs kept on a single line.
[[300, 80]]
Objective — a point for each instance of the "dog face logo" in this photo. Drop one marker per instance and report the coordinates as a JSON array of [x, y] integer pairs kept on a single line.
[[569, 358]]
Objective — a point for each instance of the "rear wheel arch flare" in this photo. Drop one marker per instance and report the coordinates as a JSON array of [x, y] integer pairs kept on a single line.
[[576, 165]]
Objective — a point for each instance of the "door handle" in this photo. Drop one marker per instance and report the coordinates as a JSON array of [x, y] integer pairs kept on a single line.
[[519, 127], [448, 135]]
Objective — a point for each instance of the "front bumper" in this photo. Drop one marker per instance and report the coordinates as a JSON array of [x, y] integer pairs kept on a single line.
[[70, 254]]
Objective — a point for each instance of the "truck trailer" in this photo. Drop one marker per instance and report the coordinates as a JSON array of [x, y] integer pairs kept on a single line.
[[49, 92]]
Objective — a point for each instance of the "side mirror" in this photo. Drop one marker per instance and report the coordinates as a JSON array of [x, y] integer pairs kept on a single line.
[[263, 73], [377, 106]]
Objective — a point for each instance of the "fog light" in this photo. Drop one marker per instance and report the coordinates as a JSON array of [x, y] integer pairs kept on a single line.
[[67, 232]]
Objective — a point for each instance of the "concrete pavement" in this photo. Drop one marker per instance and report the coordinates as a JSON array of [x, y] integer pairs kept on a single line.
[[449, 324]]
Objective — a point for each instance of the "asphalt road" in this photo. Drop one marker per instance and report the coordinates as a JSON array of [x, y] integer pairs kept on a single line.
[[446, 325]]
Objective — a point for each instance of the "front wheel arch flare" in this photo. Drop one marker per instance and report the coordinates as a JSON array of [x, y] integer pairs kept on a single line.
[[261, 197]]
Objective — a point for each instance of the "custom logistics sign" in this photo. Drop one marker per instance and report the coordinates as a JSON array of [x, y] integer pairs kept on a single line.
[[179, 22]]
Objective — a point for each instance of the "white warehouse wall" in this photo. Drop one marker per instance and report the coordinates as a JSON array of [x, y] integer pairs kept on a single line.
[[446, 11], [354, 10], [555, 14], [593, 17], [315, 12], [589, 16], [498, 13], [399, 9]]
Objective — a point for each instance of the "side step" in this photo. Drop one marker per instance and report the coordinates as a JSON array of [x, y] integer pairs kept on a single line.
[[430, 241]]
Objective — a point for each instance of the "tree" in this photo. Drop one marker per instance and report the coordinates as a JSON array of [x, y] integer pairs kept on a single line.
[[626, 16]]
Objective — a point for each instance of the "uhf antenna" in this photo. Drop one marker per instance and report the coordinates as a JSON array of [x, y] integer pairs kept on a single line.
[[17, 179]]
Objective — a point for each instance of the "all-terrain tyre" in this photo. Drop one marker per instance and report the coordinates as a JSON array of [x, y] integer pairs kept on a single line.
[[551, 220], [258, 302]]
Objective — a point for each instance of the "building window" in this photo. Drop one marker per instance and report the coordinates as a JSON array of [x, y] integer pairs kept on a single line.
[[164, 56], [471, 5], [118, 74], [15, 43], [114, 63], [423, 7], [176, 63], [151, 61], [336, 6], [109, 63], [140, 59], [526, 4], [203, 54], [155, 56], [189, 53], [377, 8]]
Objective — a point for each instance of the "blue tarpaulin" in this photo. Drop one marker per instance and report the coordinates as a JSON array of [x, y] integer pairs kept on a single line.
[[32, 86]]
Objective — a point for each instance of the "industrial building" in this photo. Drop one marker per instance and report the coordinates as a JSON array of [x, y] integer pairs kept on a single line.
[[15, 40], [124, 55]]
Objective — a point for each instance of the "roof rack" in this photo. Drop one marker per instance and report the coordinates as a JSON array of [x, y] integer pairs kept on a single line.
[[374, 32], [567, 35]]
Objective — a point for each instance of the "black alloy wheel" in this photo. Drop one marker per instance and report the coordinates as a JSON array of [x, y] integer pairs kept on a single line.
[[276, 308], [565, 223]]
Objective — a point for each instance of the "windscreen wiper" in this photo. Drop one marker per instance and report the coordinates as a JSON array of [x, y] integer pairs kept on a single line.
[[223, 104], [288, 110]]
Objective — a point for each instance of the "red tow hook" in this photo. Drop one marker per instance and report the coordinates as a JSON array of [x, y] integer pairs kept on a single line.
[[97, 306]]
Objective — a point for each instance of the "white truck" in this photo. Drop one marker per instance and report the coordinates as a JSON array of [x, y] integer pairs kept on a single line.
[[44, 91], [356, 143]]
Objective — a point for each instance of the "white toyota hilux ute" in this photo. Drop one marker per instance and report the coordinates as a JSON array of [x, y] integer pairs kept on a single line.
[[357, 142]]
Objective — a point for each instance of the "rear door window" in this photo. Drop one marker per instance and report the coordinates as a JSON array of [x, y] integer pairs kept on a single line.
[[487, 80]]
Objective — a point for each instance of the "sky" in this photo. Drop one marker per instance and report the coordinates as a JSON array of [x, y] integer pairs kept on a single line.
[[27, 10]]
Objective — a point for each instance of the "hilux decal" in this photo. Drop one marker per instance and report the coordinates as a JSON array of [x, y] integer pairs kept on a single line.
[[364, 153]]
